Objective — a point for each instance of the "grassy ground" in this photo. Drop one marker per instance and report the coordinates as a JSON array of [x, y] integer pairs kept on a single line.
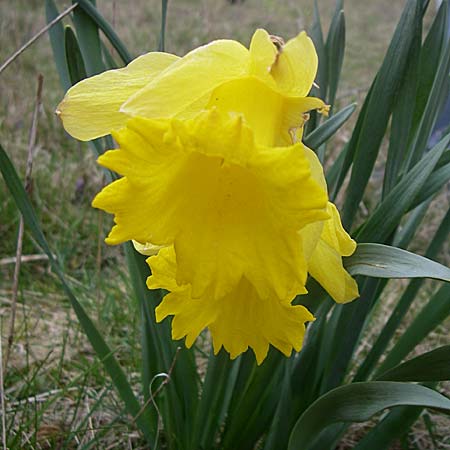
[[55, 389]]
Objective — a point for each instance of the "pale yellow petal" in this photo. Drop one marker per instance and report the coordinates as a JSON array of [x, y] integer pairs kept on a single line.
[[90, 109], [325, 266], [147, 249], [296, 66], [190, 81], [325, 263], [262, 54]]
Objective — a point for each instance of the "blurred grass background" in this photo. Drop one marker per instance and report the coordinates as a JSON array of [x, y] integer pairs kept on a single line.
[[55, 389]]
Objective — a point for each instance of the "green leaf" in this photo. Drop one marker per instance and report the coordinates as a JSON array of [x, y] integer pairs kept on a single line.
[[56, 33], [432, 314], [160, 353], [406, 231], [403, 305], [107, 29], [317, 37], [102, 350], [385, 88], [75, 64], [338, 171], [89, 41], [254, 401], [432, 109], [110, 63], [335, 47], [389, 212], [402, 118], [358, 402], [430, 366], [437, 180], [162, 33], [322, 133], [216, 395], [394, 425], [383, 261], [429, 61]]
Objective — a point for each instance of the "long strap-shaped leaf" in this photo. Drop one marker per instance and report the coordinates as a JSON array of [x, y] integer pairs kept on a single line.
[[431, 315], [56, 34], [430, 366], [323, 132], [402, 306], [103, 24], [101, 348], [385, 87], [383, 261], [389, 212], [358, 402]]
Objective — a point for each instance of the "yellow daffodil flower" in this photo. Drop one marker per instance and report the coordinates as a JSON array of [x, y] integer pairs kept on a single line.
[[218, 187]]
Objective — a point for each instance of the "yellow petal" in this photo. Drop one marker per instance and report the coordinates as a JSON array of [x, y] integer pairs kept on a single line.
[[270, 115], [190, 81], [335, 235], [147, 249], [296, 66], [262, 54], [325, 264], [164, 270], [231, 208], [238, 320], [90, 109]]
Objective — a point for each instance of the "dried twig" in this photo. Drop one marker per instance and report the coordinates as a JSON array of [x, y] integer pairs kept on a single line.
[[31, 145], [23, 259], [36, 37]]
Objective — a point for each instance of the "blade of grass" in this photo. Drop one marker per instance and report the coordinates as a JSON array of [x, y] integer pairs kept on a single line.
[[101, 348]]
